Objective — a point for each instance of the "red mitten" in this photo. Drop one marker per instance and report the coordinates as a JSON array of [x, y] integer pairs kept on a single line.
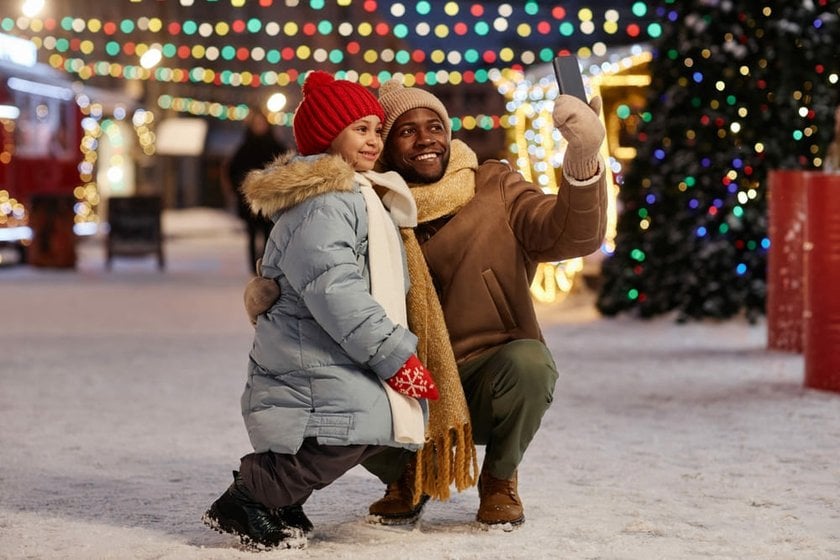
[[414, 380]]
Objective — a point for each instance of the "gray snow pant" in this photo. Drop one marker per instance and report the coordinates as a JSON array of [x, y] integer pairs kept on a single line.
[[279, 479]]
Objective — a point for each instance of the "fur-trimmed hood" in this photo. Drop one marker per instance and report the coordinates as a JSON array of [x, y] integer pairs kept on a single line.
[[290, 179]]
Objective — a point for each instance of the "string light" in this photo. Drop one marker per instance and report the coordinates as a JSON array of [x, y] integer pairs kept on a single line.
[[182, 40]]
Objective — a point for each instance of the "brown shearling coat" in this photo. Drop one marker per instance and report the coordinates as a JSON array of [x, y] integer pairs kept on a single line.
[[485, 256]]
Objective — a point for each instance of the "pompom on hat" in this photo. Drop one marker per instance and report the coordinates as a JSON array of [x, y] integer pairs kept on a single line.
[[396, 99], [328, 107]]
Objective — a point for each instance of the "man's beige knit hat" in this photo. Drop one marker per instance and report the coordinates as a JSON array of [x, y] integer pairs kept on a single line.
[[396, 99]]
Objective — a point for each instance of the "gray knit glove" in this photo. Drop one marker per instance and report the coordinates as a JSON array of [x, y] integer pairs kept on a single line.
[[582, 129], [260, 294]]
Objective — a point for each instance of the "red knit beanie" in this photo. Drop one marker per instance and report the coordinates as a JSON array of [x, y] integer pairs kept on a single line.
[[328, 107]]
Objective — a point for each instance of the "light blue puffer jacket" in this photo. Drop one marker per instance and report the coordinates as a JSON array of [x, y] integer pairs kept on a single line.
[[319, 353]]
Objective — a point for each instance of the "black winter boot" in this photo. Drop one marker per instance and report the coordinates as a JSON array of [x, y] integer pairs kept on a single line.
[[236, 512], [293, 516]]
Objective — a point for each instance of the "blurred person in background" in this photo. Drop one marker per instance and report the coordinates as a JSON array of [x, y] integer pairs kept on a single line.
[[259, 147]]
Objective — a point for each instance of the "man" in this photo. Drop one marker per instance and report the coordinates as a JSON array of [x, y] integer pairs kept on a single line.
[[483, 229]]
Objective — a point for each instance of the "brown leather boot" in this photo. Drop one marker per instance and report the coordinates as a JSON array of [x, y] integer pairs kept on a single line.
[[500, 503], [396, 507]]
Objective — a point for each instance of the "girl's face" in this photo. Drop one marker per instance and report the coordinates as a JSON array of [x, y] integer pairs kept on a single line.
[[360, 143]]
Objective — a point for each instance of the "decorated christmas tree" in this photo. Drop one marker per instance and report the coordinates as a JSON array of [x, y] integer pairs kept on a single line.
[[738, 88]]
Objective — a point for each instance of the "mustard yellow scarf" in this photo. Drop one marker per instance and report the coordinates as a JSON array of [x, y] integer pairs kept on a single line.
[[448, 455]]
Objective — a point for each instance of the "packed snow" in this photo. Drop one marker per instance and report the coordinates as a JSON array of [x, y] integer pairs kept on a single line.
[[120, 424]]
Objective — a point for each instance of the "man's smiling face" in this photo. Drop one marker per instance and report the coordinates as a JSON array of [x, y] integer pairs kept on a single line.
[[417, 146]]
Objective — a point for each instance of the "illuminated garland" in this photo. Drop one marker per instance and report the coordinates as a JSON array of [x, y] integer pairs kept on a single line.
[[95, 125], [548, 21], [423, 23], [239, 112], [91, 47], [201, 75]]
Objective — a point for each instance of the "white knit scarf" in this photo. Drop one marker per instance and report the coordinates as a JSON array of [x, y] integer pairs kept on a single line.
[[387, 280]]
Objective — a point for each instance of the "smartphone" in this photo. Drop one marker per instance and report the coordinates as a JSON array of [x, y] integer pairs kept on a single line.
[[569, 80]]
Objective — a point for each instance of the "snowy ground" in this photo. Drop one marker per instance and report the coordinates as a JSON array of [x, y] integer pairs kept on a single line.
[[119, 424]]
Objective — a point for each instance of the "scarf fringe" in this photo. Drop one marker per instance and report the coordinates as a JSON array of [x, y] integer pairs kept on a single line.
[[434, 472]]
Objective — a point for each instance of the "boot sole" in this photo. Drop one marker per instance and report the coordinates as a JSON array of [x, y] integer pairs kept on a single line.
[[408, 518], [234, 529], [389, 521], [505, 526]]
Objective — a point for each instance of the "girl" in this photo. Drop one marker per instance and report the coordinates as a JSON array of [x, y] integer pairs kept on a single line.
[[332, 377]]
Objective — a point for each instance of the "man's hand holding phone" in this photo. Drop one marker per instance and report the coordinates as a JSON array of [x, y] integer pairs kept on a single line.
[[578, 121]]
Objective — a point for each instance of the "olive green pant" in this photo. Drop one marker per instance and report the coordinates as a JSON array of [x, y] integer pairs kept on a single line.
[[508, 390]]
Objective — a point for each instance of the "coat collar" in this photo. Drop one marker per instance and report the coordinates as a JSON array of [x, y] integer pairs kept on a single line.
[[290, 179]]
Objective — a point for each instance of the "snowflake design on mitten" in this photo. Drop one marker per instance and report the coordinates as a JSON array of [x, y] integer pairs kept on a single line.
[[414, 380]]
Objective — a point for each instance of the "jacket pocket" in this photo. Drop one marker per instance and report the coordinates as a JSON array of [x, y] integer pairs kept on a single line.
[[499, 300], [329, 425]]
